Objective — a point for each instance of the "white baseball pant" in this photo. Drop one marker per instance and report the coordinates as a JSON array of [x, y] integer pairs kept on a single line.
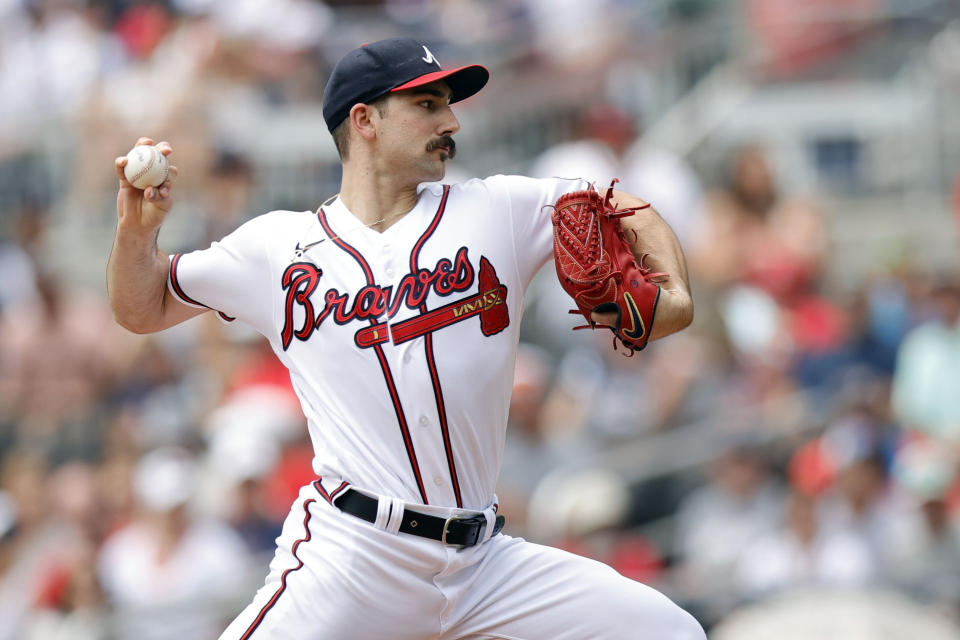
[[337, 577]]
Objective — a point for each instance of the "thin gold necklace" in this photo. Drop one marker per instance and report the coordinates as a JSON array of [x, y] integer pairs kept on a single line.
[[301, 249], [363, 226]]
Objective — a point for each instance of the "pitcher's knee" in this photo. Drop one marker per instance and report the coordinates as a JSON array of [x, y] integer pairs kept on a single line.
[[651, 615], [688, 628]]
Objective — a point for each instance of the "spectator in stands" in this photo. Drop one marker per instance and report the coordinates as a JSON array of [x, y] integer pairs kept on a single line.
[[38, 538], [924, 549], [72, 605], [753, 235], [53, 53], [860, 501], [578, 36], [18, 285], [759, 258], [226, 196], [594, 400], [170, 574], [530, 451], [584, 511], [741, 503], [609, 146], [927, 374], [803, 554], [56, 359]]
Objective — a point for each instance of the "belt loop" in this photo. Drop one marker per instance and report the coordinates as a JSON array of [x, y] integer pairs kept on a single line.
[[383, 513], [491, 516], [389, 514]]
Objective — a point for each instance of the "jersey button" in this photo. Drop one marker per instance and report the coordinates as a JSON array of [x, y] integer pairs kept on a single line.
[[389, 272], [437, 480], [424, 420]]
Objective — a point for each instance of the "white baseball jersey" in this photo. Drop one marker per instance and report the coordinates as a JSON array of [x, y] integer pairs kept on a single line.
[[400, 344]]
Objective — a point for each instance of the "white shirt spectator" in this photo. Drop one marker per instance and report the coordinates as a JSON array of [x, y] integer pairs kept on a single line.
[[171, 598]]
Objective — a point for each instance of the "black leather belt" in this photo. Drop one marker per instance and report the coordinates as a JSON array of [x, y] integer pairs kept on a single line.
[[459, 532]]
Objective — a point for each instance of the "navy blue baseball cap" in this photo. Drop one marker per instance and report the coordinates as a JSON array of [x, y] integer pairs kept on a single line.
[[394, 64]]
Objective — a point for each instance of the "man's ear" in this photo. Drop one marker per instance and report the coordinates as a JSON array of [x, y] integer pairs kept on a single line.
[[361, 120]]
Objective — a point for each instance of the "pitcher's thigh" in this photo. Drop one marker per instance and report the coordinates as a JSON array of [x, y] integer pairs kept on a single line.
[[524, 591], [336, 577]]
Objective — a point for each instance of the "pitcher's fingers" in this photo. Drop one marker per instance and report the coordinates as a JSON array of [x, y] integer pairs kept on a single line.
[[158, 193], [173, 173], [164, 147], [159, 197], [142, 141], [118, 165]]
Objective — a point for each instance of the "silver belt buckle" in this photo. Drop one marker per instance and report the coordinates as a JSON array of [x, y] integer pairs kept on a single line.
[[479, 520], [446, 527]]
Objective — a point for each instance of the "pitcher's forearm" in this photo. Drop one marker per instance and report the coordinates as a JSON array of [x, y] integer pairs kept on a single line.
[[654, 241], [137, 280]]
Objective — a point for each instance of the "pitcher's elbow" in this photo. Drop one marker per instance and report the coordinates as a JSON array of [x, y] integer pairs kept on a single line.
[[686, 318], [132, 323]]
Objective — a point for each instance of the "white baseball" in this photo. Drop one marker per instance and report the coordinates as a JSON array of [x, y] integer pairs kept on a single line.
[[146, 167]]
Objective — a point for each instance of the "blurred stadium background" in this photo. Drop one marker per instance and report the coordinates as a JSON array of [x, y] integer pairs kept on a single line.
[[789, 462]]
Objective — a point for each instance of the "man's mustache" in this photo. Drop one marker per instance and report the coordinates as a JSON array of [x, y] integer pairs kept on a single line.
[[444, 141]]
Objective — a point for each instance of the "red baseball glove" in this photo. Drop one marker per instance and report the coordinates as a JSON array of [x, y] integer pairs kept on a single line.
[[598, 269]]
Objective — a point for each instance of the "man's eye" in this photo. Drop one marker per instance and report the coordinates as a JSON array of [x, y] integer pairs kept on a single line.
[[427, 104]]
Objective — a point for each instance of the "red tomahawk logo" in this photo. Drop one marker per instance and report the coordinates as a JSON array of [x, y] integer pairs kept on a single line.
[[489, 304]]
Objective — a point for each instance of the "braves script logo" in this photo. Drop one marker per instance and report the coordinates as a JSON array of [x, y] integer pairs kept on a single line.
[[301, 279]]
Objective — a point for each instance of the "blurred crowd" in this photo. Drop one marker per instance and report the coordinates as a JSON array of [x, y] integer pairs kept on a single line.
[[843, 472], [803, 432]]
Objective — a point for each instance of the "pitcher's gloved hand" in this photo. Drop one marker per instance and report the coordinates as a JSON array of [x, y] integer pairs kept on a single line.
[[598, 269]]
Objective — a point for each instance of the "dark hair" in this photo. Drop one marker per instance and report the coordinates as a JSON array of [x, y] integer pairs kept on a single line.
[[341, 133]]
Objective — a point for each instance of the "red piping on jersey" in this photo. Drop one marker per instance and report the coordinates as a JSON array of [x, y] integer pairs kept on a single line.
[[329, 497], [176, 282], [384, 365], [336, 492], [182, 294], [283, 579], [428, 345], [402, 420]]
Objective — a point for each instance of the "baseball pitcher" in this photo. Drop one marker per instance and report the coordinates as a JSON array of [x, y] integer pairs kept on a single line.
[[395, 306]]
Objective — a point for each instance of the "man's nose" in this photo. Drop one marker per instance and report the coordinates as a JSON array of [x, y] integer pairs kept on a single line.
[[450, 126]]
